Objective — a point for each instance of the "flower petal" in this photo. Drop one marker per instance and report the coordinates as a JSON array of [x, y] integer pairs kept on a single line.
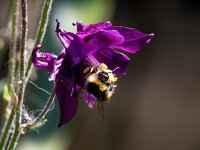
[[73, 45], [47, 62], [67, 102], [115, 61], [57, 65], [64, 38], [89, 98], [80, 26], [62, 35], [105, 39], [77, 49], [86, 30], [134, 40]]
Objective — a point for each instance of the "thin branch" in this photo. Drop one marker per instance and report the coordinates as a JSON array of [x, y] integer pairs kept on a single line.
[[46, 107], [21, 76], [41, 31], [13, 44], [9, 122], [8, 126], [12, 60]]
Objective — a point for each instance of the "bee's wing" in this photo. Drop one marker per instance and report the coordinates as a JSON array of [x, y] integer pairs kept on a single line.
[[101, 109], [90, 100]]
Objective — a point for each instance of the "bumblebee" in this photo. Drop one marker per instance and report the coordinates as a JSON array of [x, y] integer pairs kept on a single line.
[[100, 82]]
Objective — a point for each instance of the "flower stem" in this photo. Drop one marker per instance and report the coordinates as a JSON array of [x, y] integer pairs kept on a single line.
[[13, 45], [41, 31], [22, 60], [21, 76], [9, 120], [8, 125], [46, 107]]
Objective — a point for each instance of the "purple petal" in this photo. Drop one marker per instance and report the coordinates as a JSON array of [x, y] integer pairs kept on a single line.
[[47, 62], [57, 65], [89, 98], [80, 26], [87, 30], [134, 40], [62, 35], [105, 39], [77, 49], [114, 60], [74, 46], [67, 102]]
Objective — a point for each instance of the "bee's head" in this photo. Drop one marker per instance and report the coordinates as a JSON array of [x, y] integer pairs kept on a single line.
[[103, 76]]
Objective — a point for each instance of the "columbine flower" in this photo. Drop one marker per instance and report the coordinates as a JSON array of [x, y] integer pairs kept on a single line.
[[92, 46]]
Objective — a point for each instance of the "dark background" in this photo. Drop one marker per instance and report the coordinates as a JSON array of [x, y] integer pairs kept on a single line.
[[157, 103]]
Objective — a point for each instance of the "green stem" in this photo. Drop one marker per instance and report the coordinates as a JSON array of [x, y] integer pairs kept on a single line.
[[15, 138], [22, 60], [41, 31], [8, 125], [13, 44], [21, 76], [46, 107], [8, 121]]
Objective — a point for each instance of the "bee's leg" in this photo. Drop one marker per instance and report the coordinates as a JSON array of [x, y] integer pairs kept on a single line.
[[109, 95], [87, 72]]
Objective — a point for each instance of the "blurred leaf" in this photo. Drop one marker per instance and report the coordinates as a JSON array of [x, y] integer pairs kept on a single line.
[[6, 95]]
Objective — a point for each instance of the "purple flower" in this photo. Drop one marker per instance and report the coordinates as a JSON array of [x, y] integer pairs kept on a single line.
[[90, 55]]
